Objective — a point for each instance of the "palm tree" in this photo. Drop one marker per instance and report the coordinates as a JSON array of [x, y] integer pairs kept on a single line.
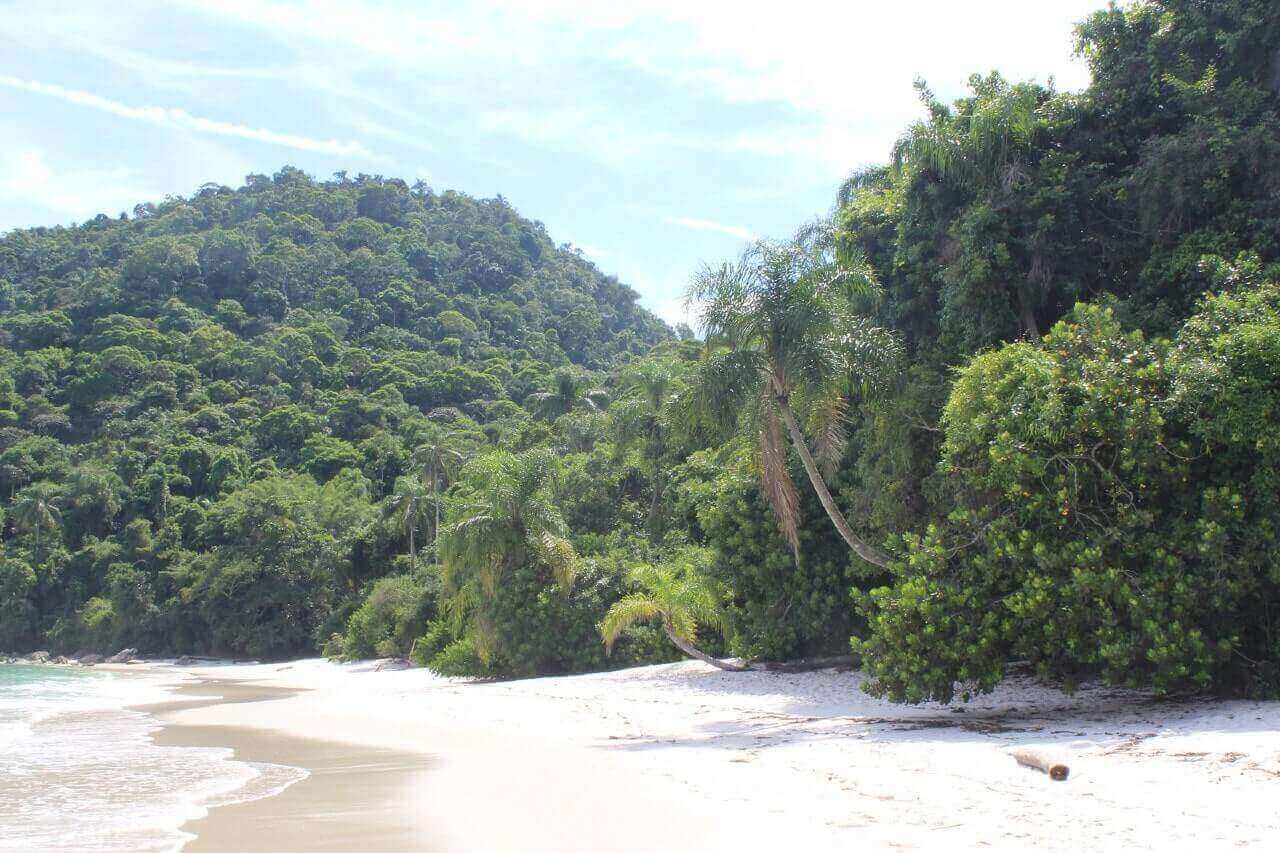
[[677, 596], [509, 519], [94, 494], [437, 465], [640, 417], [988, 149], [406, 509], [784, 334], [570, 390], [36, 510]]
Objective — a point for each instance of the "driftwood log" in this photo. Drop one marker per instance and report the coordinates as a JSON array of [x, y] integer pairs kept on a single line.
[[1043, 762]]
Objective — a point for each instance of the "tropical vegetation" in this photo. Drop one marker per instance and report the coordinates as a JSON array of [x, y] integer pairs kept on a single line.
[[1014, 398]]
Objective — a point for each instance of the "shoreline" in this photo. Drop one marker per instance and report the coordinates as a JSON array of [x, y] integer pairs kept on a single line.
[[682, 756], [348, 798], [375, 783]]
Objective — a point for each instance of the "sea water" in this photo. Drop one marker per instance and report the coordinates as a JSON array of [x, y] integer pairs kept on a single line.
[[79, 770]]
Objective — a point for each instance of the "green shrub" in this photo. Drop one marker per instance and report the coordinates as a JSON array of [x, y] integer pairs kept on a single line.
[[395, 612], [1114, 514], [543, 630], [777, 607], [92, 627], [458, 659]]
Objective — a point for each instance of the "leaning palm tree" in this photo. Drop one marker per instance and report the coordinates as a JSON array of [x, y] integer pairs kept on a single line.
[[508, 518], [36, 510], [437, 464], [679, 598], [785, 338]]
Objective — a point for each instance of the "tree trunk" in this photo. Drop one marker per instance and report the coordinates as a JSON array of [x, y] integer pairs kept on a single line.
[[654, 505], [695, 653], [413, 552], [435, 531], [1027, 315], [867, 552]]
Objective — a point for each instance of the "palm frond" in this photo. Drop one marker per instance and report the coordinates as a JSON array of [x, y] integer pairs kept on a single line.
[[559, 555], [828, 415], [625, 612], [720, 386]]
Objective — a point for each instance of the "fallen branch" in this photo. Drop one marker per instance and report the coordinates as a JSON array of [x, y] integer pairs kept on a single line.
[[1043, 762]]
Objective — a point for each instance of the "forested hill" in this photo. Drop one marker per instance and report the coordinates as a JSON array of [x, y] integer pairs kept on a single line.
[[150, 364], [1017, 399], [387, 266]]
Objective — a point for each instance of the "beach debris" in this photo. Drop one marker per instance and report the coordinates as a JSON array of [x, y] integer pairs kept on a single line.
[[1042, 761], [122, 656]]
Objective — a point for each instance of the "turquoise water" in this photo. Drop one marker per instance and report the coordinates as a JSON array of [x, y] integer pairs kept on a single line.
[[28, 693], [79, 770], [21, 673]]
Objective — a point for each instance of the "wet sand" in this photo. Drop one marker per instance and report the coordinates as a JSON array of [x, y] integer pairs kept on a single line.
[[352, 799]]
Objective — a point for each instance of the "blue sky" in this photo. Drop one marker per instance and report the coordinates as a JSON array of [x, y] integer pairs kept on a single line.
[[655, 135]]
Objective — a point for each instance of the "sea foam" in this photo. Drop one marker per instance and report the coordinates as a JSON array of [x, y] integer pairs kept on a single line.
[[79, 769]]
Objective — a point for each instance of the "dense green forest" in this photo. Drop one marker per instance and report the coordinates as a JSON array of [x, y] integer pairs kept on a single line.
[[1016, 398]]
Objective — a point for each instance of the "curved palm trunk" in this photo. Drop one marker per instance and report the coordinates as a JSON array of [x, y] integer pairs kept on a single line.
[[692, 652], [864, 550]]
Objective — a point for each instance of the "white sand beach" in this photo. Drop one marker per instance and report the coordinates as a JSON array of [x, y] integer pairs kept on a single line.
[[684, 757]]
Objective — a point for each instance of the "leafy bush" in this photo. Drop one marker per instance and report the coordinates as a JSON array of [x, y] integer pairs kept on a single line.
[[1114, 514], [778, 607], [395, 612], [458, 658], [276, 549], [91, 627]]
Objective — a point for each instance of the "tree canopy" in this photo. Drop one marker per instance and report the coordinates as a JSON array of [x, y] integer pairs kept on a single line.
[[1014, 398]]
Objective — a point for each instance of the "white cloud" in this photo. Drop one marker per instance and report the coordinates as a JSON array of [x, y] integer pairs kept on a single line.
[[179, 119], [592, 252], [369, 127], [673, 311], [708, 225], [27, 176], [156, 67], [843, 70]]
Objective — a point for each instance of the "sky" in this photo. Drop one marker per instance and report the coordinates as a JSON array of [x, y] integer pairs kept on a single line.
[[654, 135]]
